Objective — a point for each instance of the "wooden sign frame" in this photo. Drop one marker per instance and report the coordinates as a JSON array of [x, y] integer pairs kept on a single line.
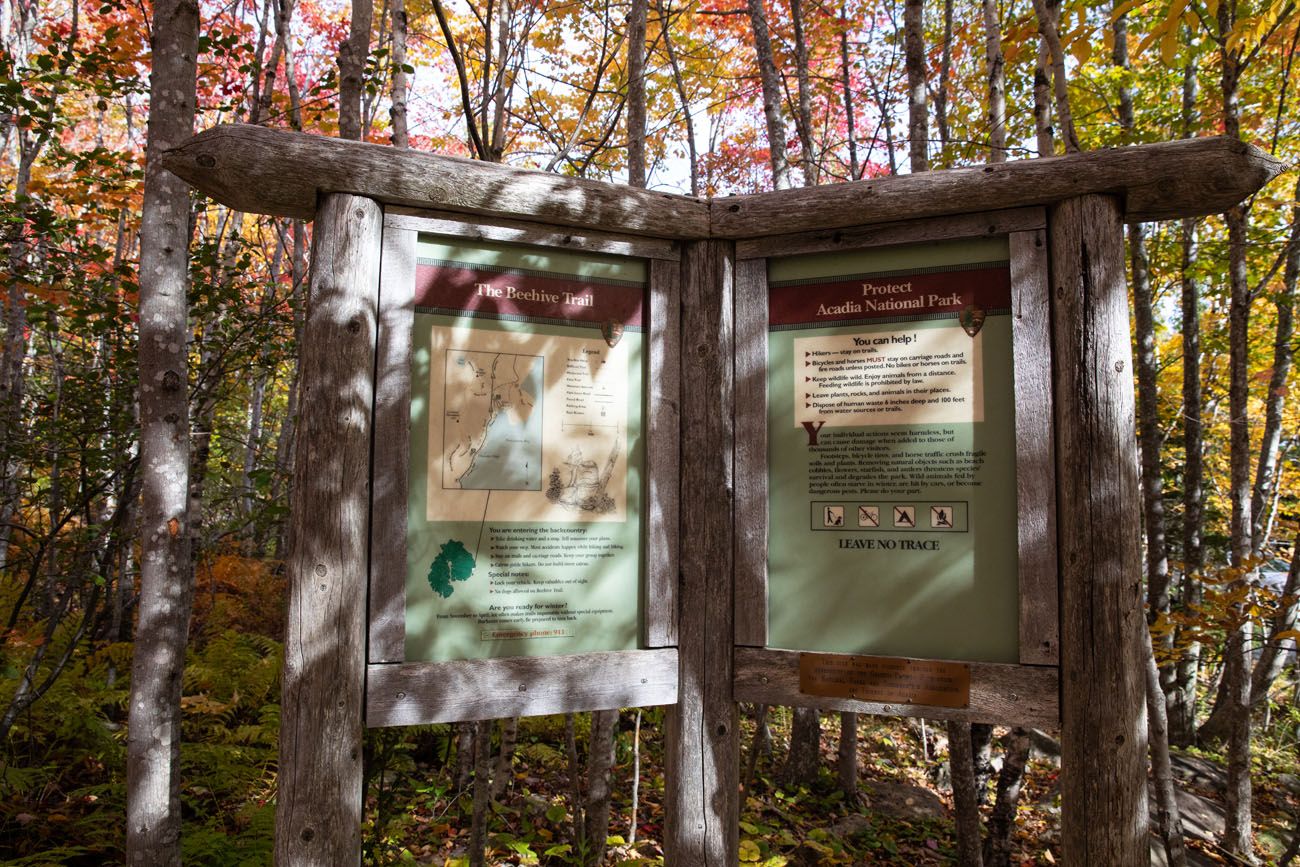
[[410, 693], [1024, 694], [705, 651]]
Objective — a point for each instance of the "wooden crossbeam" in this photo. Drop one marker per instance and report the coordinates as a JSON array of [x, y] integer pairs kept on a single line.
[[266, 171]]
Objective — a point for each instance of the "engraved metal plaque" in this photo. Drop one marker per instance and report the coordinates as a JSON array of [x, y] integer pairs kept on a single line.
[[885, 679]]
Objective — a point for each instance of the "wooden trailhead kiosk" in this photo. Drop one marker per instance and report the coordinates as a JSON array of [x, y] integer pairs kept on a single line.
[[567, 446]]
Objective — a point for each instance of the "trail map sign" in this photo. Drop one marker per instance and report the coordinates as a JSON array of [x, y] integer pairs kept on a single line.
[[527, 462], [892, 453]]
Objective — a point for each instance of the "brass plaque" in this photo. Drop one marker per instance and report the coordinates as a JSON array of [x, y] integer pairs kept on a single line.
[[885, 679]]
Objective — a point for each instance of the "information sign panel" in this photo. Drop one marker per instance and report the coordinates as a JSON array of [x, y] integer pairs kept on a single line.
[[527, 463], [892, 453]]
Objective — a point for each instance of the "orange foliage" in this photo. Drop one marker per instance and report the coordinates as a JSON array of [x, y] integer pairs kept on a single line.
[[240, 593]]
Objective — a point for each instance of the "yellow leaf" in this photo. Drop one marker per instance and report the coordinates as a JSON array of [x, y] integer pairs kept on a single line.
[[1169, 46], [1287, 633], [749, 851]]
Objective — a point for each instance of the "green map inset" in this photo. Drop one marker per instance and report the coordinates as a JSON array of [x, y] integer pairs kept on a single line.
[[453, 563]]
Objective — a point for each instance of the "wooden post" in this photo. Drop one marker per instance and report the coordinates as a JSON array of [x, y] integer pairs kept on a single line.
[[318, 814], [703, 745], [1103, 718]]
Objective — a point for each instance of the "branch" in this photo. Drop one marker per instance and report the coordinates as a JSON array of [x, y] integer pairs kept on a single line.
[[475, 138]]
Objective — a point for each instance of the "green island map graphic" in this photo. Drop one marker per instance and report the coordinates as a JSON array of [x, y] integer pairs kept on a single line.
[[453, 563]]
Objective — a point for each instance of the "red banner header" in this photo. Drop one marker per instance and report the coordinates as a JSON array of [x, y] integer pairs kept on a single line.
[[530, 295]]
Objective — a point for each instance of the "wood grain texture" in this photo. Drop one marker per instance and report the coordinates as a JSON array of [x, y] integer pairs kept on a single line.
[[1103, 725], [751, 452], [1003, 694], [1186, 178], [702, 747], [473, 689], [318, 812], [987, 224], [265, 171], [392, 447], [521, 232], [663, 454], [1040, 610]]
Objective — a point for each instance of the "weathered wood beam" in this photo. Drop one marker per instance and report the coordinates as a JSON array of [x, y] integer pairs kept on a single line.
[[265, 171], [470, 689], [702, 746], [1103, 711], [1187, 178], [1020, 694], [318, 813]]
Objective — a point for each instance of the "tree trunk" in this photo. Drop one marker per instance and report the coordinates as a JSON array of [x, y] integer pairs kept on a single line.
[[482, 792], [846, 82], [807, 136], [771, 82], [1049, 15], [945, 82], [682, 96], [759, 746], [848, 756], [503, 773], [1272, 656], [600, 765], [965, 806], [1119, 57], [166, 575], [636, 27], [1167, 823], [995, 71], [1149, 437], [1044, 133], [1267, 470], [635, 797], [353, 53], [1237, 833], [1182, 698], [918, 110], [981, 741], [397, 109], [803, 758], [1002, 821]]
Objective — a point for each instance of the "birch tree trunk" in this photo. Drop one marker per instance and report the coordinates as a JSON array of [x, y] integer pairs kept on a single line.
[[352, 67], [1044, 133], [636, 124], [918, 110], [995, 72], [1149, 438], [1015, 755], [1049, 15], [1168, 824], [153, 818], [1267, 470], [771, 82], [397, 109], [1181, 700]]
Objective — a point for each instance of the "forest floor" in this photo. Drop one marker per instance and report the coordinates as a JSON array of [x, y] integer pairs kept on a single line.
[[902, 816]]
